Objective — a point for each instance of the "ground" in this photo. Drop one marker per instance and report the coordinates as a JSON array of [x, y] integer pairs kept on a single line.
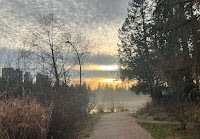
[[118, 126]]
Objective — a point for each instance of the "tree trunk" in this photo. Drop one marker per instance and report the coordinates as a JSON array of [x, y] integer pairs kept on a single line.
[[55, 68]]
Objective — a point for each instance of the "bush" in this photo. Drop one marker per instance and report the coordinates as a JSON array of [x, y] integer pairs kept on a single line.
[[69, 112], [153, 111], [64, 118], [100, 108], [150, 108], [196, 116], [121, 107], [23, 119], [181, 111]]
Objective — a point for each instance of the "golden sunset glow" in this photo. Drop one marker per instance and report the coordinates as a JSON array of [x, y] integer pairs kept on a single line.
[[111, 81], [110, 67], [95, 82], [97, 67]]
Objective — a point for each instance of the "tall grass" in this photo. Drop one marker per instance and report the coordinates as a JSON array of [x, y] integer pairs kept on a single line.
[[23, 119], [61, 117]]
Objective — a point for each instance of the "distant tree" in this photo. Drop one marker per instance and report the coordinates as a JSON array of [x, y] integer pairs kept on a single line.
[[89, 88], [99, 86], [92, 98], [109, 98]]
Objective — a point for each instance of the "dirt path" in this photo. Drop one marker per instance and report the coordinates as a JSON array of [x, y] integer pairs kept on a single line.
[[119, 126]]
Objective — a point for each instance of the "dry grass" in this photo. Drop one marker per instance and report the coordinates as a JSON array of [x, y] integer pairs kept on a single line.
[[153, 111], [170, 131], [23, 119]]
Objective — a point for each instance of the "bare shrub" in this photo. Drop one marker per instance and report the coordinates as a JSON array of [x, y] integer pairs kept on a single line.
[[100, 108], [181, 111], [153, 111], [150, 108], [23, 119], [121, 107], [111, 106]]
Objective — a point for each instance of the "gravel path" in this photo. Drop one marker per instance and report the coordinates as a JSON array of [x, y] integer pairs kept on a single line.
[[119, 126]]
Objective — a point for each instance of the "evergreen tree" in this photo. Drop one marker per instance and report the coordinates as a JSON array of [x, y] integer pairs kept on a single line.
[[135, 52], [175, 45], [160, 47]]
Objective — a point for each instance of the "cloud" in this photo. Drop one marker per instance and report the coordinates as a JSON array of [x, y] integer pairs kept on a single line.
[[91, 74], [81, 11], [98, 19], [17, 16]]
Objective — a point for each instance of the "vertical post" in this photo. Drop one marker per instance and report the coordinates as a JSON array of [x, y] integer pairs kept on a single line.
[[80, 75]]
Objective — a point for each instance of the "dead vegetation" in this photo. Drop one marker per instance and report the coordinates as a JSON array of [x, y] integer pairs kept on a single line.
[[183, 113], [23, 118], [153, 111]]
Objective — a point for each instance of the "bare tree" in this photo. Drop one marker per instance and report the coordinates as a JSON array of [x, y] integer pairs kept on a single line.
[[46, 47]]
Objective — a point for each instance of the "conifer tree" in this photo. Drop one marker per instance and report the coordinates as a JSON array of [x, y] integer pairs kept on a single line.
[[134, 50], [175, 40]]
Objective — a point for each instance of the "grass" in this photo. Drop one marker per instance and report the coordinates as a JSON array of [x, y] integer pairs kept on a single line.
[[170, 131], [23, 118], [91, 122]]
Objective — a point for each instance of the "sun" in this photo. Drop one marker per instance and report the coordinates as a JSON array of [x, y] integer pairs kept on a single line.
[[109, 68], [111, 81]]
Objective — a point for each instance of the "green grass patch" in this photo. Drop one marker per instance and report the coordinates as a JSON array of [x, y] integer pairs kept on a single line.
[[170, 131], [91, 122]]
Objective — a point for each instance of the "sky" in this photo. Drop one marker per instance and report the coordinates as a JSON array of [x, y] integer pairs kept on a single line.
[[100, 20]]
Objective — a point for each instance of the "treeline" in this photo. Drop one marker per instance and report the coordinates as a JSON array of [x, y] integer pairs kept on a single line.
[[111, 87], [115, 99], [160, 48]]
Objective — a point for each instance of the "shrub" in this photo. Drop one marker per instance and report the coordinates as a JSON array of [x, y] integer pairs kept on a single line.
[[153, 111], [150, 108], [121, 107], [23, 119], [181, 111], [196, 116], [100, 108], [69, 112]]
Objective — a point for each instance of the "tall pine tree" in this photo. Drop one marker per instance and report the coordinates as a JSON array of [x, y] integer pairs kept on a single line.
[[134, 49], [160, 46], [175, 37]]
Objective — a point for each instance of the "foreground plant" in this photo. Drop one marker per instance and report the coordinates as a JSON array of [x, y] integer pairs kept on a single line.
[[22, 119]]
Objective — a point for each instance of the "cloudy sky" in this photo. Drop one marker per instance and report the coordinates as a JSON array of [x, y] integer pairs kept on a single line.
[[99, 19]]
